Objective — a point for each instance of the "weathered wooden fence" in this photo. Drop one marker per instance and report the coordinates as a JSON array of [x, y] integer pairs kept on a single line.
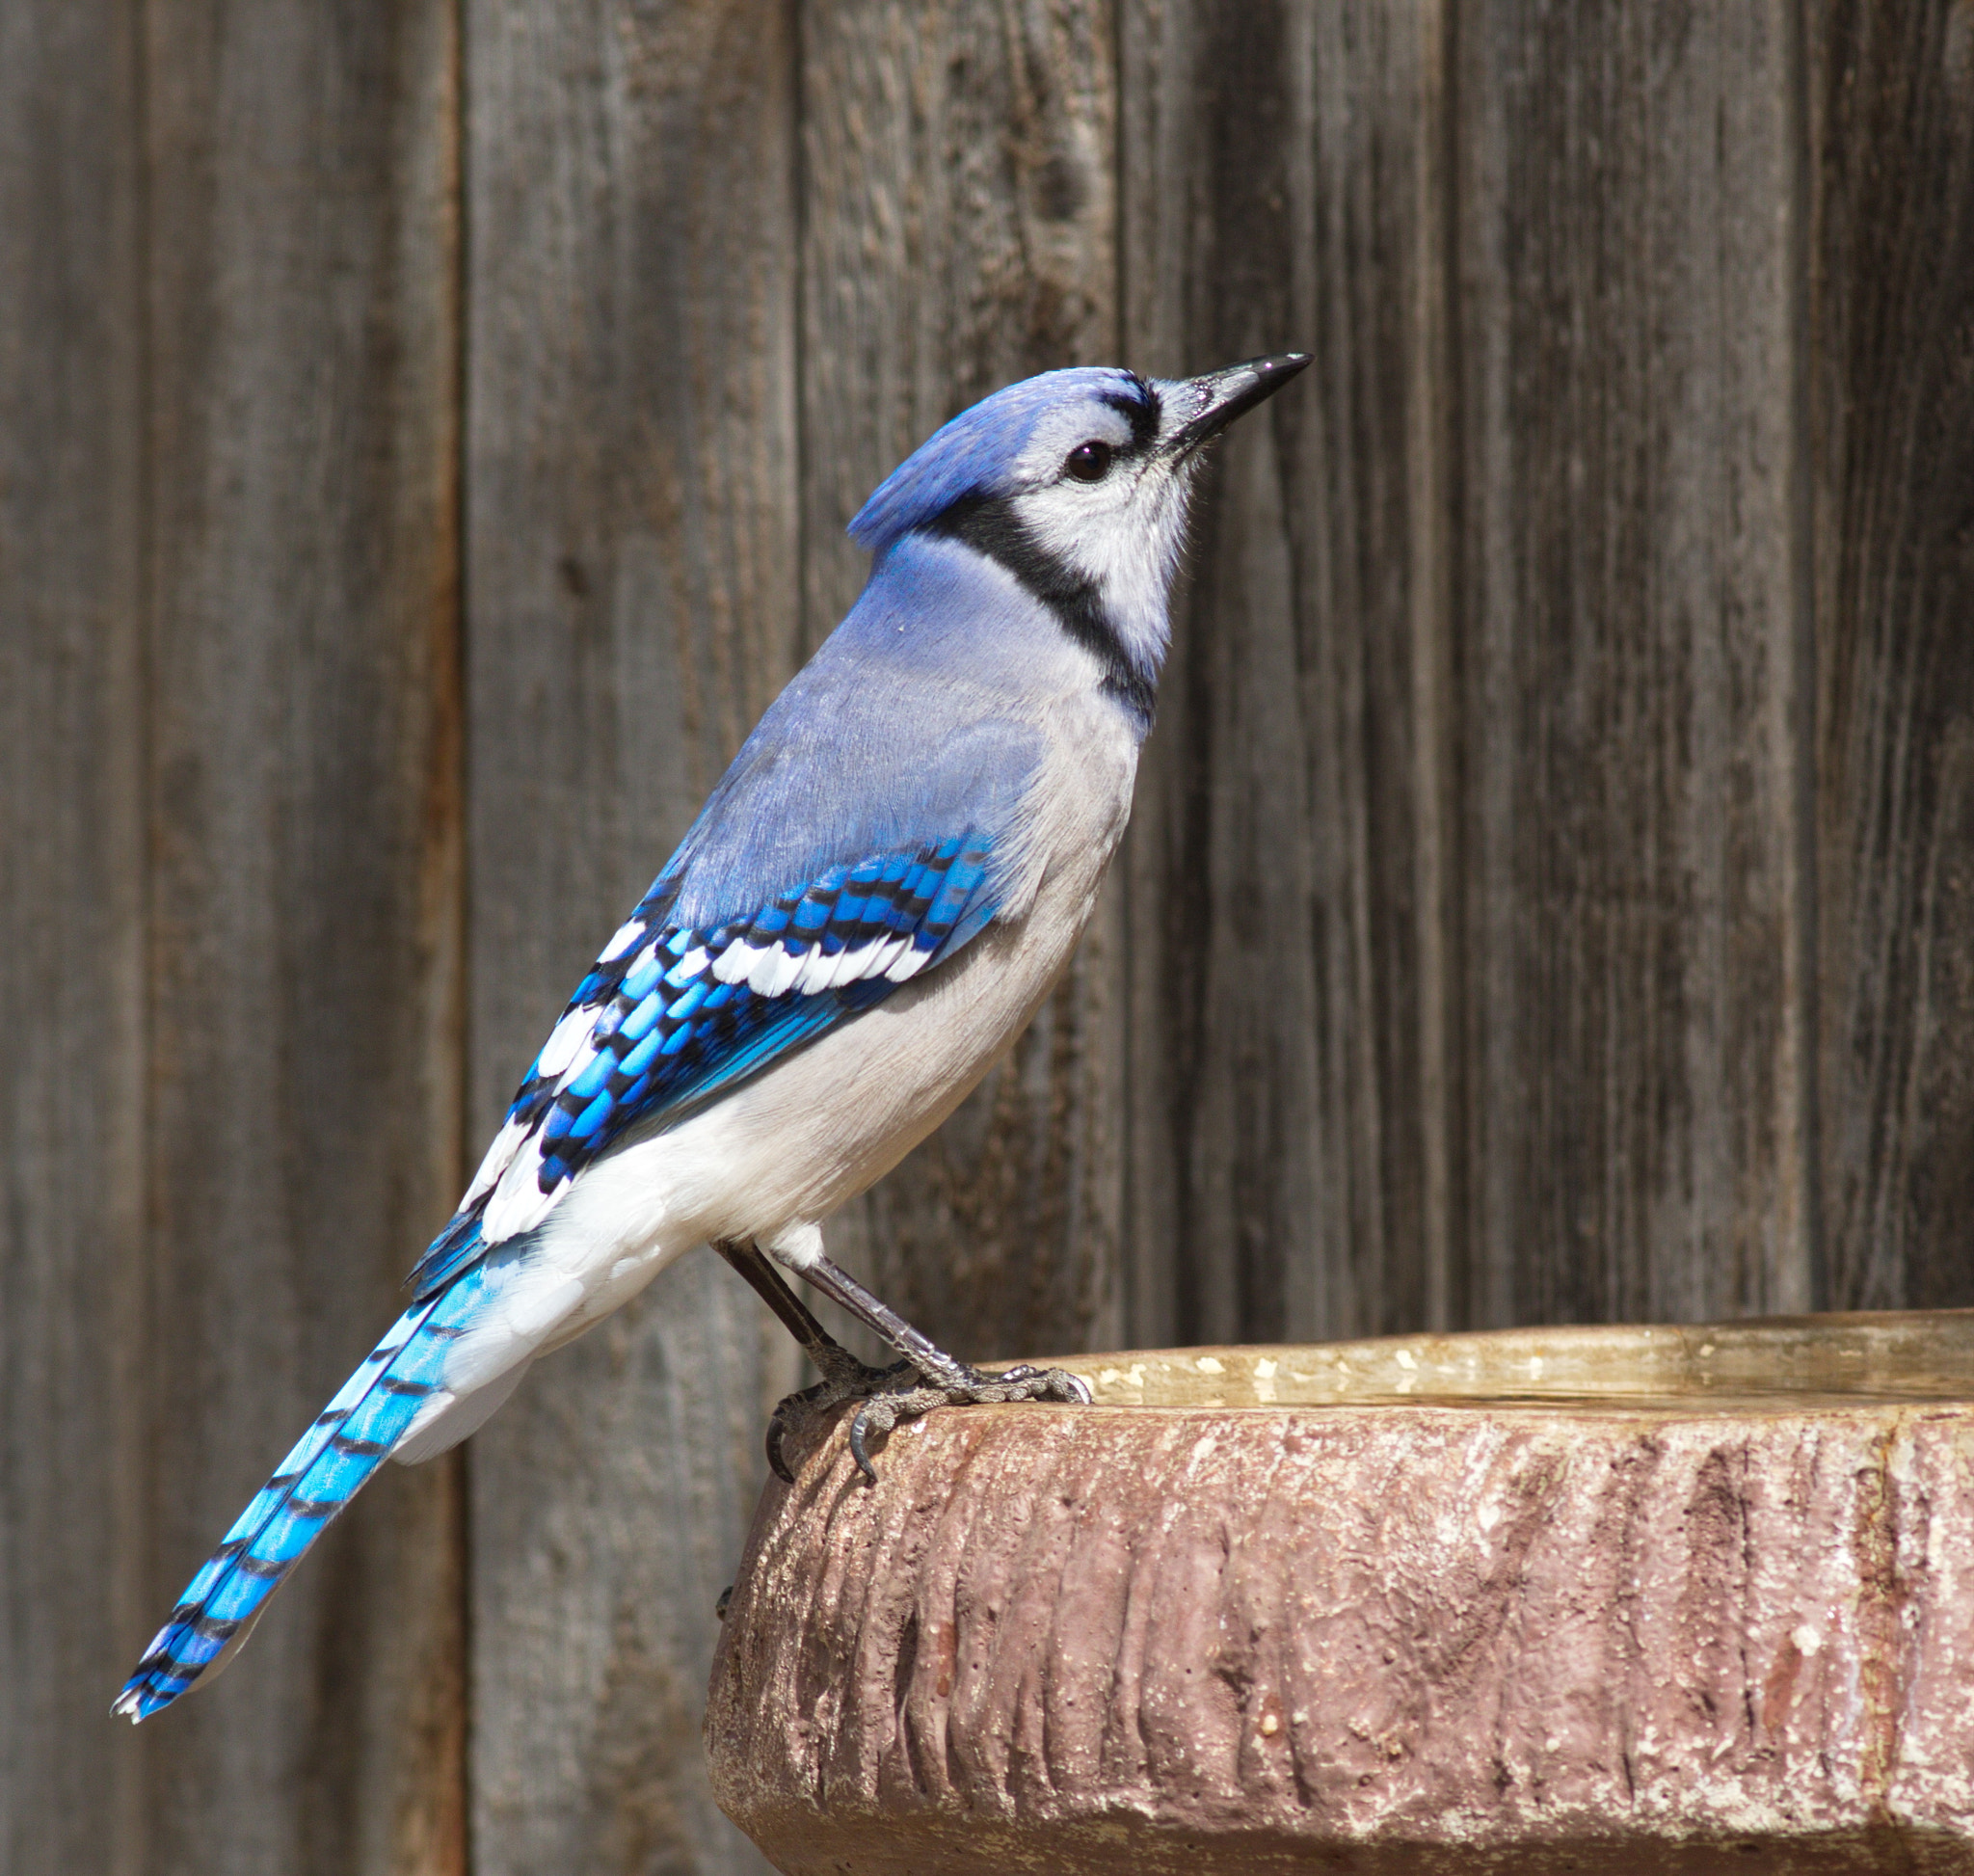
[[425, 435]]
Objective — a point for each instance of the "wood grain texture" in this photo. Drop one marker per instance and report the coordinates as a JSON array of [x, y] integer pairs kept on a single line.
[[1892, 285], [1470, 899], [1286, 1166], [306, 839], [71, 878], [632, 608], [959, 232], [1631, 894]]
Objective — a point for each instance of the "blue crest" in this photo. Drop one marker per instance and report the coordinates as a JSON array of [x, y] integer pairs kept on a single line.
[[973, 453]]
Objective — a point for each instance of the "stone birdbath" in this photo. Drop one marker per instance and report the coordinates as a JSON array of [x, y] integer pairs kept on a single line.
[[1591, 1599]]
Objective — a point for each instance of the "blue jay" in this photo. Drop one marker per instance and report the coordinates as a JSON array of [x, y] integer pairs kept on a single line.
[[876, 898]]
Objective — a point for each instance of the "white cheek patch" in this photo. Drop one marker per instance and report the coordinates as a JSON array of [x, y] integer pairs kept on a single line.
[[1123, 535]]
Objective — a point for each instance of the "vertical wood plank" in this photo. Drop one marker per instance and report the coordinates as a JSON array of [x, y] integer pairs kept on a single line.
[[632, 606], [1630, 657], [72, 886], [305, 838], [1893, 401], [959, 232], [1288, 1169]]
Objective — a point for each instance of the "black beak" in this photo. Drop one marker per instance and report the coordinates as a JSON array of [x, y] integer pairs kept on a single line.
[[1224, 395]]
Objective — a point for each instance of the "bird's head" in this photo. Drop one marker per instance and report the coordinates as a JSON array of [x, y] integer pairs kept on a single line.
[[1077, 482]]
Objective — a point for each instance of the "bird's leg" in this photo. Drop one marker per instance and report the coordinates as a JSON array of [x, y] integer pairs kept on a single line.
[[843, 1377], [943, 1380]]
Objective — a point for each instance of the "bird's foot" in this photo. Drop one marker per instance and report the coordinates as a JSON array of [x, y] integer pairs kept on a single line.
[[844, 1379], [899, 1403], [894, 1395]]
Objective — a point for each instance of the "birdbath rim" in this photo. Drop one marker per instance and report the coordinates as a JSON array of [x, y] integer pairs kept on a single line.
[[1753, 1364]]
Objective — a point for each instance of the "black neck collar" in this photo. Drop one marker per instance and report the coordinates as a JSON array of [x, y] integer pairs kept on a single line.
[[989, 525]]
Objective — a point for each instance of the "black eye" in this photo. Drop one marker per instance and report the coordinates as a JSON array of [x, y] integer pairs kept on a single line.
[[1090, 462]]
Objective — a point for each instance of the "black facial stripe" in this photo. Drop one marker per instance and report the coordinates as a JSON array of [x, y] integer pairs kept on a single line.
[[1141, 413], [990, 526]]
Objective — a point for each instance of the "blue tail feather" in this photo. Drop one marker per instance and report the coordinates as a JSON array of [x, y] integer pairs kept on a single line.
[[346, 1443]]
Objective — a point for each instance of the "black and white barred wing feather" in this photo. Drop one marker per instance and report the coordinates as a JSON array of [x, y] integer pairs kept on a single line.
[[672, 1015]]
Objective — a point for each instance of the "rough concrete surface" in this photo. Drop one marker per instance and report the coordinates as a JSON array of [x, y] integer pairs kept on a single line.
[[1372, 1638]]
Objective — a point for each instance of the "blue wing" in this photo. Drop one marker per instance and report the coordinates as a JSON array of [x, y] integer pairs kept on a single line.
[[866, 831], [671, 1016]]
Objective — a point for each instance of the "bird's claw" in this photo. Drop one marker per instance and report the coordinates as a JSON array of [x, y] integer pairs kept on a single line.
[[886, 1410], [845, 1379], [894, 1395]]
